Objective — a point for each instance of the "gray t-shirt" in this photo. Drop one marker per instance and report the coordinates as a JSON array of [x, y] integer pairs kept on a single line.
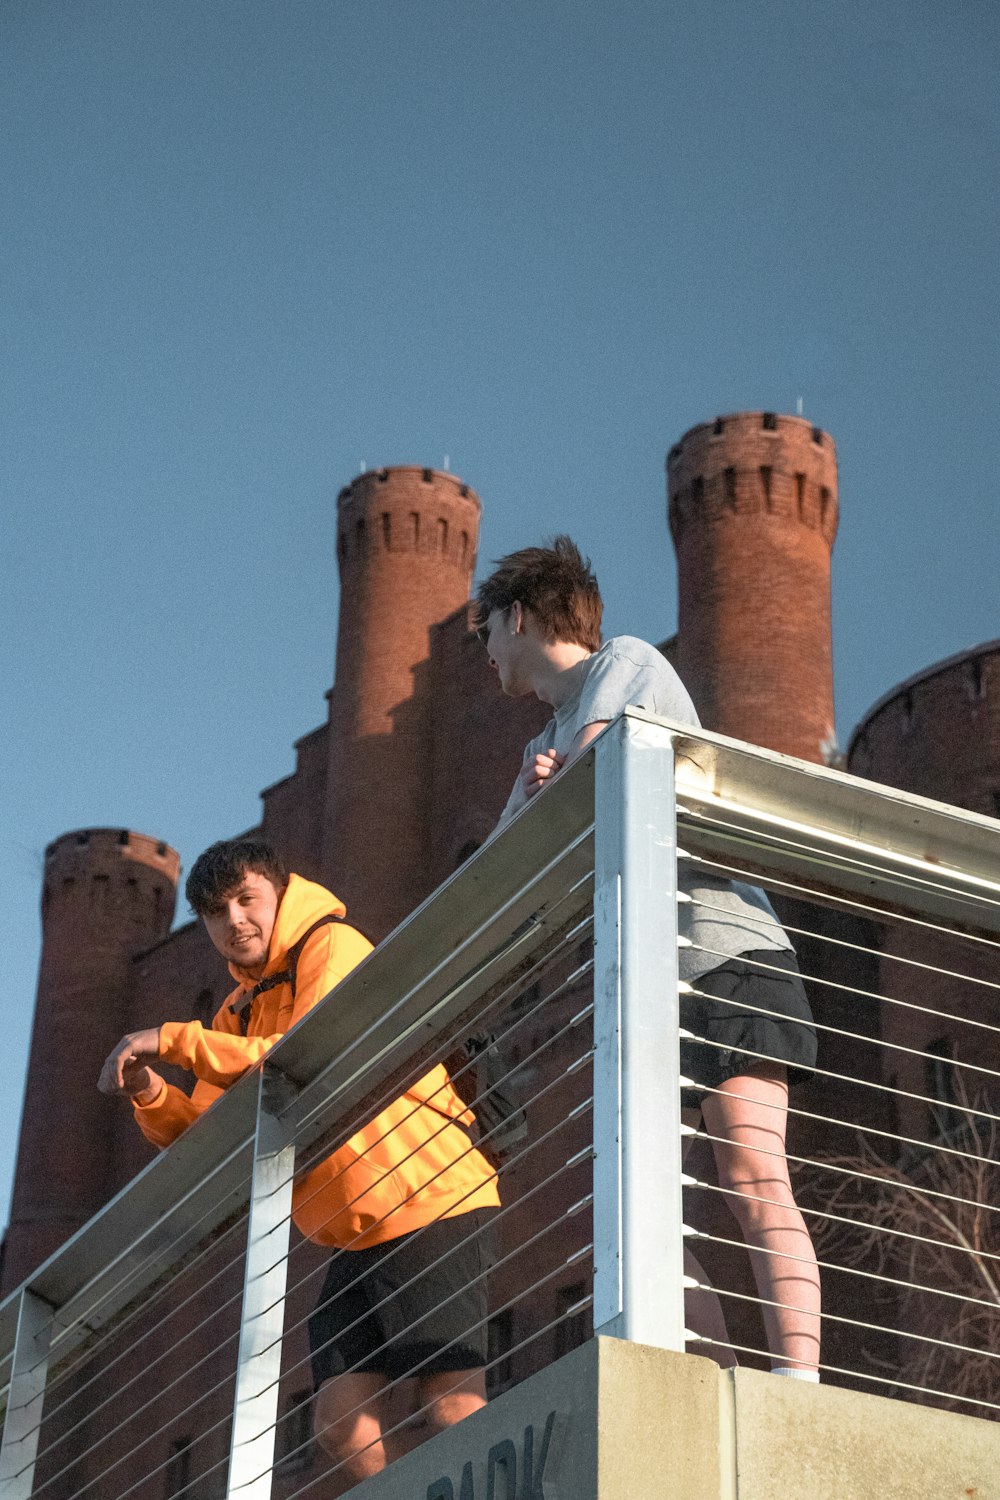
[[724, 918]]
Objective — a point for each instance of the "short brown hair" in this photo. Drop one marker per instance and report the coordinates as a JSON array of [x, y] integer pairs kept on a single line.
[[556, 583], [223, 866]]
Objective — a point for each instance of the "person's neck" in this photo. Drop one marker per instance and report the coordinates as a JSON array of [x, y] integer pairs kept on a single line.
[[560, 674]]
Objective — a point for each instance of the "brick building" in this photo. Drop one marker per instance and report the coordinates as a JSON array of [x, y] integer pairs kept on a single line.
[[414, 762], [418, 752]]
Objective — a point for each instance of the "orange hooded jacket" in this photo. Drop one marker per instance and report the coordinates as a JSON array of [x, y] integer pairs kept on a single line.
[[411, 1164]]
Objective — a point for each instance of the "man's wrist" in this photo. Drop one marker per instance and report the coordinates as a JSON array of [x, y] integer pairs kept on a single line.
[[149, 1094]]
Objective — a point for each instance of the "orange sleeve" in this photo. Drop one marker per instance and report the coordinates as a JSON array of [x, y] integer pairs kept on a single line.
[[219, 1056], [172, 1111]]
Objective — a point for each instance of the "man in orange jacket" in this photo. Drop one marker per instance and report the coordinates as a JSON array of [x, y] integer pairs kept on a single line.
[[386, 1200]]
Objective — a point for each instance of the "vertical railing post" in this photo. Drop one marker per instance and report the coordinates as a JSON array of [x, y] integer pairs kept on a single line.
[[25, 1397], [638, 1239], [263, 1311]]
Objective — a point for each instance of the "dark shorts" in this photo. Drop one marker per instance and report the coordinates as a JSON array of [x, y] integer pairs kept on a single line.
[[420, 1299], [788, 1036]]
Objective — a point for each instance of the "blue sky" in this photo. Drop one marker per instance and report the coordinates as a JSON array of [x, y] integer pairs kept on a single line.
[[253, 244]]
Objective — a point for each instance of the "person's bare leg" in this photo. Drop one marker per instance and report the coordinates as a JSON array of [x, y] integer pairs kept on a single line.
[[441, 1400], [452, 1395], [349, 1417], [748, 1116]]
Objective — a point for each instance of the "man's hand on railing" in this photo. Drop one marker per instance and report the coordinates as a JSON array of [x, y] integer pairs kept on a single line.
[[548, 763], [535, 774], [125, 1069]]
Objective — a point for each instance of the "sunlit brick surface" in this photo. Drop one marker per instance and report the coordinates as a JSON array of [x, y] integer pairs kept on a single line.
[[752, 502]]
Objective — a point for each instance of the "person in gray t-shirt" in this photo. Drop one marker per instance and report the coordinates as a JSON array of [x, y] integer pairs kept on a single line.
[[539, 617], [725, 918]]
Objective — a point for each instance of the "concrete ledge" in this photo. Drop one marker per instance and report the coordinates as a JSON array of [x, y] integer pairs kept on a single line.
[[618, 1421], [818, 1442]]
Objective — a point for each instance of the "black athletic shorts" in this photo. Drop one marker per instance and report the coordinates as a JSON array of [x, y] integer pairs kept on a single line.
[[417, 1300], [787, 1036]]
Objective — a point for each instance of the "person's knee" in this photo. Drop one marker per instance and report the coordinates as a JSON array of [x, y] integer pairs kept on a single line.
[[448, 1398], [445, 1411], [347, 1425], [344, 1440]]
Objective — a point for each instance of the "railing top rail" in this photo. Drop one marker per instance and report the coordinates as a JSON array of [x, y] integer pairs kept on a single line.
[[852, 834]]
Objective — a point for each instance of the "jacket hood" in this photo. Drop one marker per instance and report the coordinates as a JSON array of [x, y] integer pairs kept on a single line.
[[303, 903]]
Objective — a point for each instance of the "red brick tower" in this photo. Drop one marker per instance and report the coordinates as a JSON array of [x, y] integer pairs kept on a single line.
[[938, 733], [479, 738], [752, 504], [406, 548], [107, 894]]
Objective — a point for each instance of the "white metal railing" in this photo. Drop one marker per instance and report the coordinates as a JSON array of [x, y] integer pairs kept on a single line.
[[115, 1328], [893, 904]]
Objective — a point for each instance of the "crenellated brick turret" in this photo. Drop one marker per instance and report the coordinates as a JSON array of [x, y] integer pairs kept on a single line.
[[406, 549], [107, 894], [938, 733], [752, 504]]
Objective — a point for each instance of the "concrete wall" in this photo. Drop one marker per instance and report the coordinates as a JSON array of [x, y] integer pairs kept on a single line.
[[616, 1421]]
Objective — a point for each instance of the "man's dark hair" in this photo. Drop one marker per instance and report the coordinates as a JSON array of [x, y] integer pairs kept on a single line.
[[222, 867], [556, 583]]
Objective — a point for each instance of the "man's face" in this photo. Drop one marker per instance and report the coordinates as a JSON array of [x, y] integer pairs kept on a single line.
[[504, 640], [241, 925]]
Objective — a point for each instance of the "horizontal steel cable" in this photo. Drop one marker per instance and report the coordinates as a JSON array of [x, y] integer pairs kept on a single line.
[[214, 1353], [862, 1083], [137, 1271], [832, 1265], [512, 1302], [841, 1218], [483, 1276], [114, 1330], [851, 1036], [829, 1317], [411, 1417], [903, 879], [389, 1018], [178, 1416], [809, 1114], [512, 1161], [228, 1418], [400, 1089], [114, 1397], [882, 953], [828, 1166], [775, 882], [574, 978], [567, 1213]]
